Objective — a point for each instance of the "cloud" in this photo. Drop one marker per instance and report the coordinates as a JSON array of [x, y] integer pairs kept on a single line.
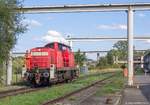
[[145, 41], [112, 27], [54, 36], [54, 33], [148, 41], [32, 23], [141, 15]]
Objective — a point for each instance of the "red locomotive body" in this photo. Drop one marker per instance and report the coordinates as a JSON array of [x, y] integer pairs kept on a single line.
[[53, 62]]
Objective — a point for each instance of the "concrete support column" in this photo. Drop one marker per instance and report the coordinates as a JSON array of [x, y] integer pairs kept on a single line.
[[70, 44], [9, 70], [142, 65], [70, 41], [114, 59], [130, 46]]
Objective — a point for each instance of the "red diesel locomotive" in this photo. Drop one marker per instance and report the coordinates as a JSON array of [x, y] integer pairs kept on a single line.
[[53, 62]]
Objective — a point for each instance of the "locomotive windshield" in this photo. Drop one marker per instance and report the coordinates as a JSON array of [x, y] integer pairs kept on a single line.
[[63, 47], [50, 45]]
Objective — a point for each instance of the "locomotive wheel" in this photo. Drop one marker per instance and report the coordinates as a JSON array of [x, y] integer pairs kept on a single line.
[[33, 84], [46, 82]]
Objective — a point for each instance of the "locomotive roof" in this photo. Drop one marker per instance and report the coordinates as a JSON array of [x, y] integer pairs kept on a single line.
[[53, 43], [58, 43]]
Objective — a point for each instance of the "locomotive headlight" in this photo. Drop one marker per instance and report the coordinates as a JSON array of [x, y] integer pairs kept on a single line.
[[46, 75], [37, 70], [26, 74]]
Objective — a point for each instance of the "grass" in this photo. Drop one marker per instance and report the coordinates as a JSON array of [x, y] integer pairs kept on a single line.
[[139, 71], [36, 98], [116, 85], [16, 78], [2, 88], [104, 70]]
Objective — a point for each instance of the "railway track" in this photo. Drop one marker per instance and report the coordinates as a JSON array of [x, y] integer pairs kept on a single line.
[[24, 90], [14, 92], [100, 82], [96, 74]]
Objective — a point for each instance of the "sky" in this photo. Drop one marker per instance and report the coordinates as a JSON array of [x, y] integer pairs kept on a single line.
[[44, 28]]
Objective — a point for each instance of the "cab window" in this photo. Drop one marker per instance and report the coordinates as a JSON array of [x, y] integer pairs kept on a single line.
[[51, 45], [60, 47], [63, 47]]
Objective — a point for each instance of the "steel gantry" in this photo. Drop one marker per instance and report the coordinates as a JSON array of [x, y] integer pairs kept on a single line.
[[129, 8], [85, 39], [85, 8], [22, 54]]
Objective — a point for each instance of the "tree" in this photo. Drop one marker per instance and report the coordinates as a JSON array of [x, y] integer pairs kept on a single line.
[[136, 53], [10, 26], [18, 63], [122, 48], [110, 56], [103, 63], [147, 52], [80, 58]]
